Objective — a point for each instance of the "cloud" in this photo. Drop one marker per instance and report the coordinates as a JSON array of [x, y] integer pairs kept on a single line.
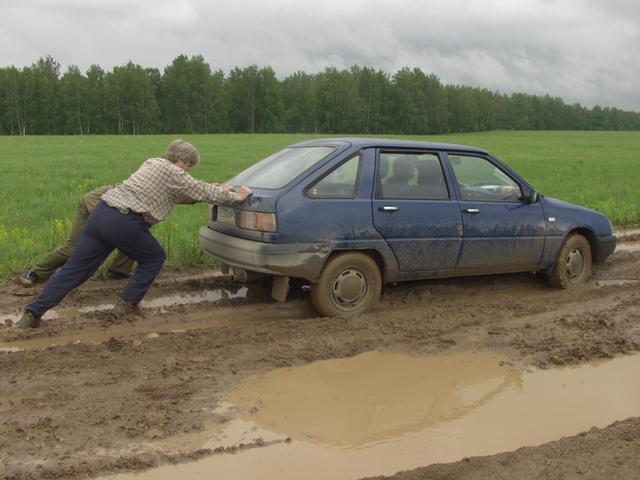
[[579, 50]]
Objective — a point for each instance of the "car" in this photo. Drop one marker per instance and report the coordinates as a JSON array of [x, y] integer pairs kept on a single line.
[[350, 215]]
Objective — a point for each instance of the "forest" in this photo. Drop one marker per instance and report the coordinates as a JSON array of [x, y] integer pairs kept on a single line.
[[191, 97]]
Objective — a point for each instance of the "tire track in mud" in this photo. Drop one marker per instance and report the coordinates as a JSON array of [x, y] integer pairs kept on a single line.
[[175, 289], [469, 304], [210, 300], [103, 403]]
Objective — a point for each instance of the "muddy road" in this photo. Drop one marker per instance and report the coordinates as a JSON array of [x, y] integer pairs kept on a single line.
[[89, 396]]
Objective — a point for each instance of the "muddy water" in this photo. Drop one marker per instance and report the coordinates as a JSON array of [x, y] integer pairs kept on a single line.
[[213, 295], [371, 397], [151, 331], [628, 247], [627, 233], [378, 413], [607, 283]]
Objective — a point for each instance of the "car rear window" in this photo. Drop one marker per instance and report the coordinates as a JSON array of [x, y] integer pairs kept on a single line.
[[280, 168]]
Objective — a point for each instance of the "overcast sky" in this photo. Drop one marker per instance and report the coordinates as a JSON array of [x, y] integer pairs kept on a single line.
[[580, 50]]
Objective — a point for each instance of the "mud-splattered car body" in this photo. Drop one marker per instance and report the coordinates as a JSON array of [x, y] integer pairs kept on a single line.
[[418, 210]]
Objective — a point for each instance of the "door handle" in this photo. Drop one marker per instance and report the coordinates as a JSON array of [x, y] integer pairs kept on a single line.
[[471, 210], [388, 208]]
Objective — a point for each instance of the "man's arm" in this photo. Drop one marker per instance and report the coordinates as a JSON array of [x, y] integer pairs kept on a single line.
[[187, 189]]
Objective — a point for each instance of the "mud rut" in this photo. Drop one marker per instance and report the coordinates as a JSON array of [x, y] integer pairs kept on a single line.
[[86, 395]]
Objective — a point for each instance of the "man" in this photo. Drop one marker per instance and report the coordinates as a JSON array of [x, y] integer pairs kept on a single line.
[[122, 220], [398, 186], [120, 267]]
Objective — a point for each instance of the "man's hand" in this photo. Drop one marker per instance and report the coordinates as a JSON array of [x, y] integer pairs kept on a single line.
[[242, 193]]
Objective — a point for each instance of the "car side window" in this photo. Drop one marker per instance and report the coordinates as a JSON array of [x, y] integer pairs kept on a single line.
[[339, 183], [479, 179], [411, 176]]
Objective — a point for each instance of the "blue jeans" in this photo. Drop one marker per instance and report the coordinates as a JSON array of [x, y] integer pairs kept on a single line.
[[106, 229]]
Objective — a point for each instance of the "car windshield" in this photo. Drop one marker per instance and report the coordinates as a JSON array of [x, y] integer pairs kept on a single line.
[[280, 168]]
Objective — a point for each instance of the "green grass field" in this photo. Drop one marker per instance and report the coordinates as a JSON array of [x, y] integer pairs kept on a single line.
[[44, 177]]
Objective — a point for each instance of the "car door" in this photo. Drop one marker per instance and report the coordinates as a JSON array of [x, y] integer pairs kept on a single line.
[[501, 230], [415, 211]]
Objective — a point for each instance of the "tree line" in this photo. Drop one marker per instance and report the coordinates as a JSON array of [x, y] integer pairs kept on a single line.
[[190, 97]]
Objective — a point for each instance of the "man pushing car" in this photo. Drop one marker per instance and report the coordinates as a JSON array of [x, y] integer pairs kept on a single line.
[[122, 220]]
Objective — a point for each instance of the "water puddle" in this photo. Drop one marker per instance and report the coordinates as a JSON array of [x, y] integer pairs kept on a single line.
[[628, 247], [615, 283], [150, 332], [627, 233], [195, 297], [378, 413], [213, 295], [11, 349]]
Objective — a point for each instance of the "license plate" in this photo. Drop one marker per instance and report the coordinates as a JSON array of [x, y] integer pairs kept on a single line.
[[227, 215]]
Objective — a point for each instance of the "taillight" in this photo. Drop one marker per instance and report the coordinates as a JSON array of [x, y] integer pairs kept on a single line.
[[263, 222]]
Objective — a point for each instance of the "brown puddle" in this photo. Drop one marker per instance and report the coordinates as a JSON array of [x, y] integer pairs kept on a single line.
[[378, 413]]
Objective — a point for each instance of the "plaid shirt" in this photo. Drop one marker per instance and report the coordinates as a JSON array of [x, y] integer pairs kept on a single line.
[[157, 186]]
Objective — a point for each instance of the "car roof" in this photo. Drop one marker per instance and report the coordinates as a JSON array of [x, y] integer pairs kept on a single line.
[[373, 142]]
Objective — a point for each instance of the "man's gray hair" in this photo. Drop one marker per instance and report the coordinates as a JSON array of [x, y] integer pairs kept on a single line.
[[179, 150]]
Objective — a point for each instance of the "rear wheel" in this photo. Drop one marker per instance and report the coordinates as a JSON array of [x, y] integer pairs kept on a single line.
[[349, 284], [574, 263]]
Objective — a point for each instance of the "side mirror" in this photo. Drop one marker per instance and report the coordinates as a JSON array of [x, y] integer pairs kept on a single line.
[[532, 197]]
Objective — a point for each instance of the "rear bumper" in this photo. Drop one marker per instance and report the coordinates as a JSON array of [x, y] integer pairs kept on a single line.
[[607, 246], [300, 260]]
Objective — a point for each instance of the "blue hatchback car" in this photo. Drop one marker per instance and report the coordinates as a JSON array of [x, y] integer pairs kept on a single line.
[[349, 215]]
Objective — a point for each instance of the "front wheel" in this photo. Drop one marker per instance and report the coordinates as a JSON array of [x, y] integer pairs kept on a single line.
[[574, 263], [349, 284]]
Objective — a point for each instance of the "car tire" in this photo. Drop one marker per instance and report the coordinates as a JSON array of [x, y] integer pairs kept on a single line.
[[349, 284], [574, 263]]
